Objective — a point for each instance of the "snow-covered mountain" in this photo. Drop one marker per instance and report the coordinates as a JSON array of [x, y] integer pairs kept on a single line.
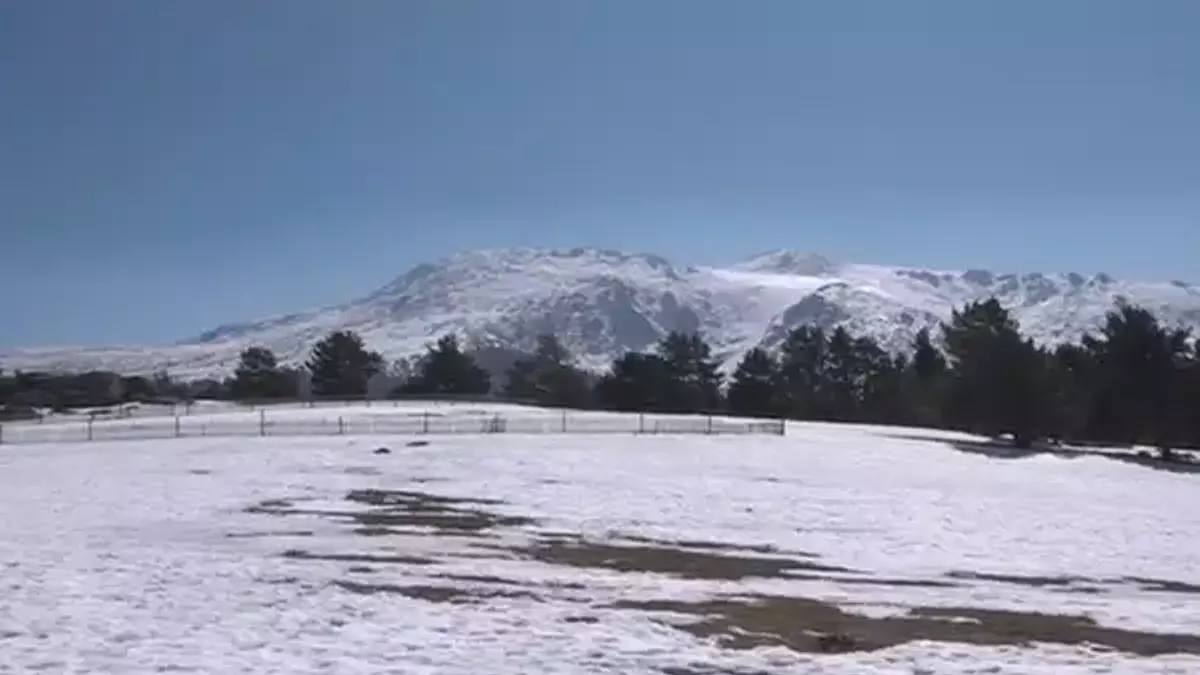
[[603, 302]]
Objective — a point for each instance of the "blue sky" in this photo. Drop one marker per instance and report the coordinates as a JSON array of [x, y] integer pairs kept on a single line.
[[169, 166]]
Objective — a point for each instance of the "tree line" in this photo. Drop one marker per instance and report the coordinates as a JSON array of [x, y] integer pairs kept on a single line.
[[1134, 381]]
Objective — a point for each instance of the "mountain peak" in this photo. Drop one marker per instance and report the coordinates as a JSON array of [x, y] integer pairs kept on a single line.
[[784, 261], [601, 302]]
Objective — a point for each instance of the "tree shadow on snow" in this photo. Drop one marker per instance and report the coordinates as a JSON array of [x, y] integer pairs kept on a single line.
[[1181, 462]]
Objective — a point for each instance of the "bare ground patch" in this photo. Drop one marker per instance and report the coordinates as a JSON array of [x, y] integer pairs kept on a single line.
[[269, 534], [404, 512], [438, 594], [667, 560], [712, 545], [1081, 584], [811, 626], [1164, 585], [800, 624], [373, 558], [708, 670]]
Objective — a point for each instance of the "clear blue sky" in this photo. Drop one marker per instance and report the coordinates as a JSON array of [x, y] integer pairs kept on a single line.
[[169, 166]]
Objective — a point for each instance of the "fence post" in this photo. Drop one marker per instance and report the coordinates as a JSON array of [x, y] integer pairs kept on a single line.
[[1, 434], [89, 429], [641, 423], [262, 422], [341, 426], [564, 420], [177, 434], [425, 422], [709, 428]]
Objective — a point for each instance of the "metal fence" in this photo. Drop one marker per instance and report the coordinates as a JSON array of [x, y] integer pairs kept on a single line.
[[419, 423]]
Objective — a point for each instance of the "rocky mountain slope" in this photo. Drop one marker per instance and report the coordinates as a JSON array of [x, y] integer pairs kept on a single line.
[[603, 302]]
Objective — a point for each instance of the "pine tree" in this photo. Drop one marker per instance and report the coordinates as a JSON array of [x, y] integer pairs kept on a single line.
[[754, 389], [548, 377], [1071, 375], [693, 377], [635, 381], [802, 372], [7, 387], [925, 381], [1190, 396], [447, 370], [341, 366], [928, 362], [1140, 366], [258, 376], [838, 396], [878, 383], [998, 381]]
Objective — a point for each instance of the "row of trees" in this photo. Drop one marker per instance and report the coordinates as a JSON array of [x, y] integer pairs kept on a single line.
[[1134, 381]]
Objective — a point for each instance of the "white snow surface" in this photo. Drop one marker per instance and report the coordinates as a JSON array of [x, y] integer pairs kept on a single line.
[[117, 557], [601, 303]]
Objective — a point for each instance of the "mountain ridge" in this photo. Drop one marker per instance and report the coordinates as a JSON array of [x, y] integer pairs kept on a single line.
[[601, 302]]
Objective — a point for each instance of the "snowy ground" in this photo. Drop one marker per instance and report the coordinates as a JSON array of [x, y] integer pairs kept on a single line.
[[676, 555]]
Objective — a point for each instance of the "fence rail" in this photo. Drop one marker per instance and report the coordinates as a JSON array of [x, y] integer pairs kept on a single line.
[[264, 423]]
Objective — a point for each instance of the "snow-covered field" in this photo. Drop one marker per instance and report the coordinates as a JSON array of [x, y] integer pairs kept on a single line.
[[521, 554]]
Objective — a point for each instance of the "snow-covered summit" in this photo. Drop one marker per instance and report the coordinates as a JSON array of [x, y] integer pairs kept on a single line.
[[783, 261], [602, 302]]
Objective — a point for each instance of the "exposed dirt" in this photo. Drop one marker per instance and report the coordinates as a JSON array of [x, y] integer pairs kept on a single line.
[[806, 625], [448, 594], [1164, 585], [1080, 584], [577, 552], [269, 534], [709, 670], [1032, 581], [800, 624], [404, 512], [373, 558], [713, 546]]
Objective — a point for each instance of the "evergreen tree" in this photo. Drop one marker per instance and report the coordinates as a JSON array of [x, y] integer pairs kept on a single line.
[[928, 362], [208, 389], [998, 382], [548, 377], [878, 383], [693, 378], [1140, 366], [138, 388], [165, 386], [754, 390], [802, 374], [635, 382], [258, 376], [838, 394], [1071, 376], [7, 387], [446, 370], [1190, 396], [341, 366], [925, 377]]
